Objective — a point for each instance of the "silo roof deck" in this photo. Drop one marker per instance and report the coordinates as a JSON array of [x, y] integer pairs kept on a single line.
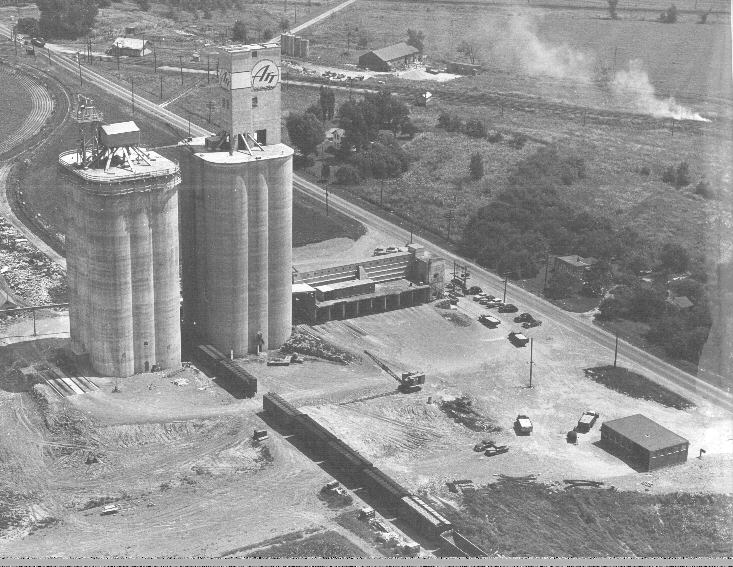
[[240, 156], [140, 171]]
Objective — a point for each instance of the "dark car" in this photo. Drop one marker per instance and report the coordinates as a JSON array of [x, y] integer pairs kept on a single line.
[[508, 308], [474, 290], [483, 445], [496, 450], [523, 318], [531, 324], [38, 41], [587, 421]]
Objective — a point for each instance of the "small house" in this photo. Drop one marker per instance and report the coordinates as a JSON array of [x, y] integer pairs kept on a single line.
[[130, 47], [680, 302], [574, 264], [334, 137]]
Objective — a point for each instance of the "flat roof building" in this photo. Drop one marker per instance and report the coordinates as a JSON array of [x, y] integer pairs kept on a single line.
[[644, 442]]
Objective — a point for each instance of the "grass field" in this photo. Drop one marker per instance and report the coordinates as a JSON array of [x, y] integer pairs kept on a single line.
[[536, 520], [311, 225], [684, 59]]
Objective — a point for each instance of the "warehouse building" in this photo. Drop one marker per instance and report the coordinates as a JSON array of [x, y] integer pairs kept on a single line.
[[644, 442], [390, 57], [130, 47]]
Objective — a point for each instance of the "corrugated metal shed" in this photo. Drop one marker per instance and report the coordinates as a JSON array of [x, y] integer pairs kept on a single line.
[[396, 51]]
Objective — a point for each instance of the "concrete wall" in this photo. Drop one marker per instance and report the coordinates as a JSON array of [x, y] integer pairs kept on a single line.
[[122, 258]]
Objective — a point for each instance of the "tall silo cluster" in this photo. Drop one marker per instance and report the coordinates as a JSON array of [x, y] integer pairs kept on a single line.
[[122, 253], [234, 228]]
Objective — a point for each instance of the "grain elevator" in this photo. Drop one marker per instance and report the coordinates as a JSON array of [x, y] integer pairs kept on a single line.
[[236, 213]]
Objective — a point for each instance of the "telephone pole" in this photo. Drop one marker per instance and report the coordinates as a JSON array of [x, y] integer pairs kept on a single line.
[[132, 94], [531, 360], [615, 351], [506, 279]]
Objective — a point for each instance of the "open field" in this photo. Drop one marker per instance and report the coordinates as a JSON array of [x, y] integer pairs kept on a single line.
[[557, 46]]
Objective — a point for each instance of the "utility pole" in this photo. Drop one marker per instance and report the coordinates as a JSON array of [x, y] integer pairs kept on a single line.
[[450, 220], [161, 87], [615, 52], [208, 61], [506, 279], [210, 104], [531, 360], [615, 351], [189, 123], [117, 53], [155, 60], [15, 40], [547, 268], [78, 60], [132, 94], [671, 127], [381, 192], [34, 321], [326, 201], [180, 61]]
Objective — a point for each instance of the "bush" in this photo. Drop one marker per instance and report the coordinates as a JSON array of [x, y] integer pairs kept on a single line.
[[674, 258], [644, 171], [518, 140], [476, 167], [679, 176], [305, 131], [409, 129], [475, 128], [495, 137], [66, 18], [239, 32], [347, 175], [450, 122], [669, 16], [704, 190], [28, 26]]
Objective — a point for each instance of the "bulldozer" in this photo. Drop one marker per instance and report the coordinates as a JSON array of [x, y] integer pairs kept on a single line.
[[408, 382]]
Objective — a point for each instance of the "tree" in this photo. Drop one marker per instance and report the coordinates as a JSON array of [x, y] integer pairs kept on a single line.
[[416, 39], [704, 190], [305, 131], [267, 34], [284, 24], [363, 40], [325, 172], [468, 49], [597, 278], [562, 285], [347, 175], [612, 9], [144, 5], [327, 102], [476, 167], [703, 17], [66, 18], [679, 176], [28, 26], [409, 129], [239, 32], [674, 258]]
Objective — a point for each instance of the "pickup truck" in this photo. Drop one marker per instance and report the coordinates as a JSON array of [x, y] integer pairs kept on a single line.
[[587, 421], [518, 339]]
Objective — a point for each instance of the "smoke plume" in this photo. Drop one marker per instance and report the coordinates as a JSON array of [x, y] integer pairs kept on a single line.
[[519, 45], [633, 88]]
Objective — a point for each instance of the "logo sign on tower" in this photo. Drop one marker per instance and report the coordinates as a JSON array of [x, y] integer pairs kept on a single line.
[[265, 75]]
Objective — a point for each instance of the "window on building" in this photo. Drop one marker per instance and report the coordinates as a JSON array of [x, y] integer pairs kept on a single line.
[[254, 102], [261, 137]]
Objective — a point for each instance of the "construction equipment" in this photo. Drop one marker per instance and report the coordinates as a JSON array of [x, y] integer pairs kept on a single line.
[[408, 381]]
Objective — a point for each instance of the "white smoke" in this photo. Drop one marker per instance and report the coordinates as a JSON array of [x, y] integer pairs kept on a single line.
[[632, 87], [537, 57], [520, 45]]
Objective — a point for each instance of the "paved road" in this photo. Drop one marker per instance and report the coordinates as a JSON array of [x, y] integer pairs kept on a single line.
[[650, 365]]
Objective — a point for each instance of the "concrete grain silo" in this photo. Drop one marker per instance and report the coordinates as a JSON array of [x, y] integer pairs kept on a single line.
[[236, 213], [122, 253]]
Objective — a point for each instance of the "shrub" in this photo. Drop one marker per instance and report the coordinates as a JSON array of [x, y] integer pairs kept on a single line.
[[644, 170], [475, 128], [476, 167], [562, 285], [495, 137], [450, 122], [704, 190], [669, 16], [679, 176], [239, 32], [347, 175], [28, 26], [518, 140]]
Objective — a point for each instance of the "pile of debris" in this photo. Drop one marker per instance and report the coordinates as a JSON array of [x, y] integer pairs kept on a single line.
[[461, 411], [306, 343]]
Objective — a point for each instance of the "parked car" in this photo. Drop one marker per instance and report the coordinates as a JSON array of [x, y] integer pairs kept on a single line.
[[508, 308], [587, 421], [496, 450], [523, 318], [489, 321], [379, 251], [518, 339], [478, 298], [491, 303], [531, 324], [110, 509], [38, 41], [523, 425], [391, 249], [483, 445], [474, 290]]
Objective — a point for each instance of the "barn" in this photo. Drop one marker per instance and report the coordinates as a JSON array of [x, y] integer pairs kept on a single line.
[[390, 57], [130, 47], [644, 442]]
